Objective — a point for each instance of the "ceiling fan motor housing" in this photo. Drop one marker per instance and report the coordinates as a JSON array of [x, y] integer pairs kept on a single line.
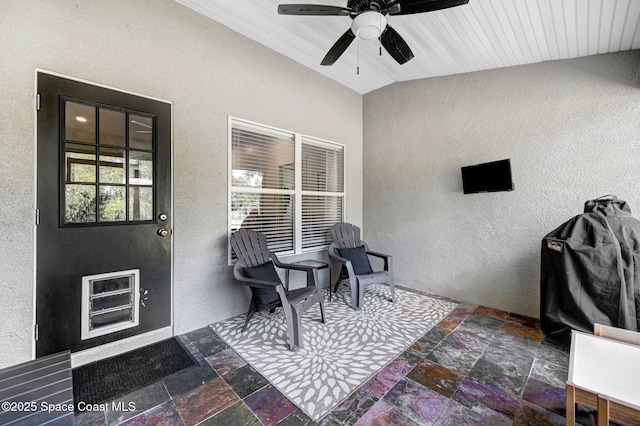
[[368, 25]]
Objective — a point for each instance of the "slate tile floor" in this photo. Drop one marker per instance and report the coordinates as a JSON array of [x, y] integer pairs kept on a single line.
[[477, 366]]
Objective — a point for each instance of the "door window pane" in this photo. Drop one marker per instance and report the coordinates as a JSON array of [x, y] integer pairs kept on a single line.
[[80, 163], [112, 165], [80, 203], [113, 207], [140, 203], [80, 122], [140, 132], [140, 168], [112, 127]]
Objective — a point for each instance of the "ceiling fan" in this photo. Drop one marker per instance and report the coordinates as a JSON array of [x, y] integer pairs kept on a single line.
[[370, 22]]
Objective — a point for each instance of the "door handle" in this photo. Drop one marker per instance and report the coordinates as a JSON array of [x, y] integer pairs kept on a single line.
[[163, 232]]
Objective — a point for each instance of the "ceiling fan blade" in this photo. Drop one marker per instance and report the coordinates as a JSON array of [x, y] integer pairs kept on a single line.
[[396, 46], [338, 48], [312, 9], [408, 7]]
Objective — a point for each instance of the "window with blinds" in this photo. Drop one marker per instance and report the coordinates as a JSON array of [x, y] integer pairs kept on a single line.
[[288, 186], [322, 191]]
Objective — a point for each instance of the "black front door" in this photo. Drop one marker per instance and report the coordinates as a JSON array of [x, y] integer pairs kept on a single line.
[[104, 204]]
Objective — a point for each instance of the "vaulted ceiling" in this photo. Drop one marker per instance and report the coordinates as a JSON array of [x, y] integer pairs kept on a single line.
[[480, 35]]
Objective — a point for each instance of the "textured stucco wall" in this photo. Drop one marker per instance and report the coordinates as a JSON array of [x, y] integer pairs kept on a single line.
[[157, 48], [572, 131]]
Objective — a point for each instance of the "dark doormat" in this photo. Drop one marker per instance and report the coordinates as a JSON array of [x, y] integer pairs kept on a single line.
[[112, 377]]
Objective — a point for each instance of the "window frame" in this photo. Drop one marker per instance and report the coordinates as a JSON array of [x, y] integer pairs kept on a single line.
[[299, 139]]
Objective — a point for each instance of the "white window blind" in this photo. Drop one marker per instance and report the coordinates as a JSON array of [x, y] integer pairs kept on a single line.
[[322, 191], [318, 214], [288, 186], [262, 180]]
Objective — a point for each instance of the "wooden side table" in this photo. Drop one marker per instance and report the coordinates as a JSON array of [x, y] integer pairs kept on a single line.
[[314, 263], [604, 375]]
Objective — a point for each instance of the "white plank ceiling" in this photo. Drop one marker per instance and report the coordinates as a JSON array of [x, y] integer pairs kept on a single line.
[[481, 35]]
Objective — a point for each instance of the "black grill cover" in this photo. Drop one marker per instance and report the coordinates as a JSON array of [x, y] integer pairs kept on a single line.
[[590, 270]]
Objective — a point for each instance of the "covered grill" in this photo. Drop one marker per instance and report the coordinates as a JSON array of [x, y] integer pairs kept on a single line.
[[590, 270]]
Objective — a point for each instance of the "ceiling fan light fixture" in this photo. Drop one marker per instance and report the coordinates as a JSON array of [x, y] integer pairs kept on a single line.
[[369, 25]]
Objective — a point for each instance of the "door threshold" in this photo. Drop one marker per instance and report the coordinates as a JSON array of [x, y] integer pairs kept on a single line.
[[119, 346]]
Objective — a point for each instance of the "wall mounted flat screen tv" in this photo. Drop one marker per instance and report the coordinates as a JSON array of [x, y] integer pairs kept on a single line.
[[487, 177]]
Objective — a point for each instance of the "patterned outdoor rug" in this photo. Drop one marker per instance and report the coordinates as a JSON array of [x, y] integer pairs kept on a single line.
[[340, 355]]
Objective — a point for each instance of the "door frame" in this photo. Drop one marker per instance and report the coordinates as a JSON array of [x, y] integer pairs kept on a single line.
[[119, 346]]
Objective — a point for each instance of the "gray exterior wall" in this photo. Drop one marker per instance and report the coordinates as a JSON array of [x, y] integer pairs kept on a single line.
[[572, 131], [161, 49]]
